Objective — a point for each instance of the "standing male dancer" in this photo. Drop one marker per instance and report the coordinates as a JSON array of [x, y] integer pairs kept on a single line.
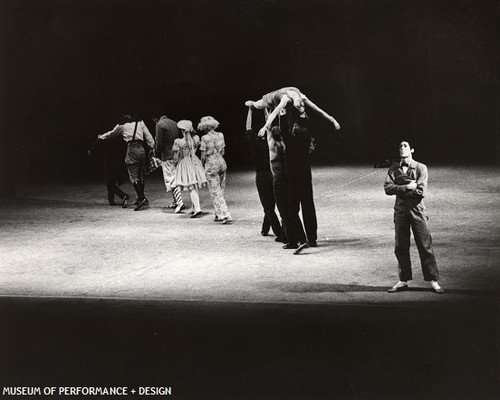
[[408, 181], [264, 179], [166, 132]]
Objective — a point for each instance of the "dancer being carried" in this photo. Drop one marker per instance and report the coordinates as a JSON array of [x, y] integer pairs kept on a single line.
[[284, 98], [296, 134]]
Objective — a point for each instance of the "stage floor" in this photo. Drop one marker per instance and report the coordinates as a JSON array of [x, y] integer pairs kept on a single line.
[[65, 241], [222, 312]]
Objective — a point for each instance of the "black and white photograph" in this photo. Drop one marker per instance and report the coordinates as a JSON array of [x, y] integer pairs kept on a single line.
[[250, 199]]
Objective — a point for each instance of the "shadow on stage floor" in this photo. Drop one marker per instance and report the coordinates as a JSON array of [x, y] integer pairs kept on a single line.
[[308, 287], [252, 351]]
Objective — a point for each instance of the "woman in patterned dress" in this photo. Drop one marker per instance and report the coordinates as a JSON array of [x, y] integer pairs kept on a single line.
[[189, 173], [212, 152]]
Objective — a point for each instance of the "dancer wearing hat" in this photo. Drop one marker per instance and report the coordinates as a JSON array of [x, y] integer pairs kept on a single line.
[[212, 152], [189, 173], [134, 132], [286, 107]]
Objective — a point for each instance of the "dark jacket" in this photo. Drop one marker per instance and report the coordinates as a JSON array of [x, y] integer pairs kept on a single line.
[[166, 133]]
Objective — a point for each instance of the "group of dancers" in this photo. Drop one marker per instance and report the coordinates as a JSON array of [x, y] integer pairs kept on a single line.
[[283, 179], [176, 144], [281, 155]]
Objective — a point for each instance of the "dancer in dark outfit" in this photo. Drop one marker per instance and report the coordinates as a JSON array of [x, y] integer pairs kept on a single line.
[[166, 133], [112, 153], [263, 178], [299, 143], [297, 138], [278, 164]]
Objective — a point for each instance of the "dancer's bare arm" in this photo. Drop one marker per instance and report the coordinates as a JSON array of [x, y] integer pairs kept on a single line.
[[249, 119], [259, 104], [271, 117], [314, 107]]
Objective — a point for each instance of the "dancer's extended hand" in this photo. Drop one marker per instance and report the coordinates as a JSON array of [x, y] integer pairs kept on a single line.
[[335, 123], [262, 131]]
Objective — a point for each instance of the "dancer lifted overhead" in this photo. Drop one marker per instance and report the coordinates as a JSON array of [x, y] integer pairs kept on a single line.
[[287, 107], [285, 98]]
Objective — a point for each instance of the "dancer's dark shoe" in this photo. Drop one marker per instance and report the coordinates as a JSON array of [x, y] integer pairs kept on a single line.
[[144, 202], [124, 201], [196, 214], [301, 247]]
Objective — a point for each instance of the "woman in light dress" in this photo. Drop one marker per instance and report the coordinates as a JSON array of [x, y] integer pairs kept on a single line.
[[189, 174]]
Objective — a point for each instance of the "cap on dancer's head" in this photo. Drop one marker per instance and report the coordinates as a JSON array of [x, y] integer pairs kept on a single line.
[[208, 122], [185, 125]]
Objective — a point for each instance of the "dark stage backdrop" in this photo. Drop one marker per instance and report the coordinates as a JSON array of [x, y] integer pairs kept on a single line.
[[426, 70]]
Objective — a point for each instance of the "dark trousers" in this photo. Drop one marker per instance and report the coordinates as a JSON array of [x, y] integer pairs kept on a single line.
[[301, 198], [264, 182], [112, 186], [280, 190], [415, 219]]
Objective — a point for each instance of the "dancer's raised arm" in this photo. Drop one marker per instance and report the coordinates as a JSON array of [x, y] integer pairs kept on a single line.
[[271, 117], [249, 119]]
